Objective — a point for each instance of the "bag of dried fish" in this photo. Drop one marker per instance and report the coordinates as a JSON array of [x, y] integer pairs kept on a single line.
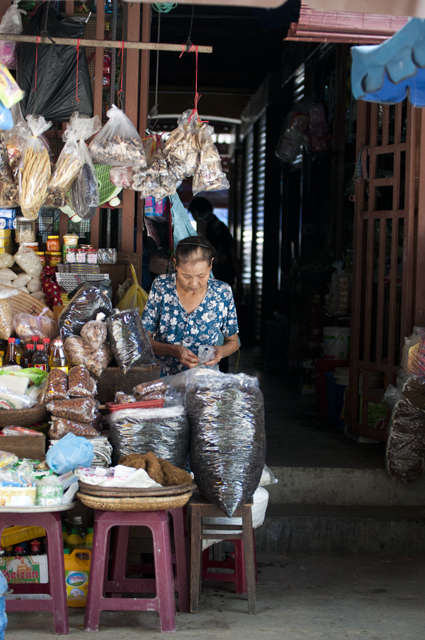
[[209, 175], [34, 170], [118, 144], [85, 188], [182, 146], [129, 340], [228, 440]]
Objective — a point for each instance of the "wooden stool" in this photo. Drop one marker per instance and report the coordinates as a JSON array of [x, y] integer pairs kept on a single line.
[[99, 585], [56, 604], [201, 508]]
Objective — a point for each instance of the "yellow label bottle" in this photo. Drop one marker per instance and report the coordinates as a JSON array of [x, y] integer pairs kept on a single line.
[[74, 540], [77, 573], [88, 538]]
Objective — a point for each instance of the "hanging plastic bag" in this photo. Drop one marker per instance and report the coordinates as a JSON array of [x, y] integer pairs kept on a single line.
[[292, 137], [135, 298], [182, 227], [209, 174], [68, 453], [121, 176], [69, 162], [157, 179], [118, 144], [182, 146], [10, 23], [35, 170]]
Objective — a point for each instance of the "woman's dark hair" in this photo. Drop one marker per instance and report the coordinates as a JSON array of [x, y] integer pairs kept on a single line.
[[187, 249]]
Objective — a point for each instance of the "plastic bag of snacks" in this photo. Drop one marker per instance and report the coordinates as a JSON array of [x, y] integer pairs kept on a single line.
[[118, 144], [6, 320], [77, 409], [182, 146], [60, 427], [84, 306], [412, 387], [157, 180], [147, 388], [80, 383], [26, 326], [29, 261], [10, 23], [85, 188], [95, 331], [209, 174], [35, 170], [129, 340], [98, 361], [121, 176], [226, 415], [56, 387], [69, 162]]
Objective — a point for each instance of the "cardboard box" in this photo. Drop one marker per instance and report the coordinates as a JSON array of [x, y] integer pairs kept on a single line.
[[5, 243], [6, 223], [25, 569]]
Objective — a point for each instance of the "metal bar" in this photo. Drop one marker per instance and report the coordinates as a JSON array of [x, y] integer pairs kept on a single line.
[[149, 46]]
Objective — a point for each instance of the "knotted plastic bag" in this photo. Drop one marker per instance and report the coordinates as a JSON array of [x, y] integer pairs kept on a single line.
[[69, 453], [118, 144], [84, 306], [34, 170], [11, 23], [228, 442]]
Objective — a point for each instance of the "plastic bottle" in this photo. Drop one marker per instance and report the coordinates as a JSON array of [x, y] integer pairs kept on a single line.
[[35, 340], [11, 352], [74, 540], [19, 551], [88, 538], [40, 359], [26, 361], [46, 343], [64, 534], [18, 350], [58, 358], [35, 548], [77, 573]]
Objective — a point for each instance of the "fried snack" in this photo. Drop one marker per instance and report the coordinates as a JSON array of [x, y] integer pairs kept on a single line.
[[158, 469], [35, 175], [66, 170]]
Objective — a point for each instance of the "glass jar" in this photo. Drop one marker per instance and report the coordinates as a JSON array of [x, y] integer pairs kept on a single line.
[[92, 256], [70, 240], [81, 255], [30, 245], [70, 255], [54, 258], [42, 257], [53, 244], [25, 230]]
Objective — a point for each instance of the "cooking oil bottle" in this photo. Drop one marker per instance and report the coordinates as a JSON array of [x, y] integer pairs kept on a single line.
[[58, 358]]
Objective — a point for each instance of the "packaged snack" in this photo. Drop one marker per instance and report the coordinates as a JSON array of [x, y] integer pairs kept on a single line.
[[68, 164], [118, 144], [29, 261], [76, 409], [34, 171], [83, 307], [60, 427], [77, 350], [98, 361], [27, 326], [10, 23], [124, 398], [129, 340], [56, 387], [49, 492], [209, 174], [95, 331], [80, 383], [146, 388]]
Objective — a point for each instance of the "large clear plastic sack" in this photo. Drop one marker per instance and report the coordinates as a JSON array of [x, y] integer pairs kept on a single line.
[[83, 307], [228, 441], [406, 439], [10, 23], [26, 326], [182, 146], [129, 340], [95, 331], [118, 144], [163, 431], [121, 176], [35, 169], [70, 452]]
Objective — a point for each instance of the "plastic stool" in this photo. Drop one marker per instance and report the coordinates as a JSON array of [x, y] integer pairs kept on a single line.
[[201, 508], [147, 585], [235, 562], [56, 604], [99, 585]]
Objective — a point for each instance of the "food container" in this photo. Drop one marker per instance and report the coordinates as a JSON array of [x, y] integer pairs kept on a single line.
[[25, 230], [5, 242], [81, 255], [70, 240], [54, 258], [5, 233], [92, 256], [53, 244], [30, 245], [70, 255], [42, 257]]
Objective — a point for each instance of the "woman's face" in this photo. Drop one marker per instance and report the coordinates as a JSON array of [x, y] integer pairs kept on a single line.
[[192, 276]]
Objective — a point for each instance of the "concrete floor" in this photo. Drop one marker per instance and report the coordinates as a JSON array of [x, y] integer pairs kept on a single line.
[[313, 598]]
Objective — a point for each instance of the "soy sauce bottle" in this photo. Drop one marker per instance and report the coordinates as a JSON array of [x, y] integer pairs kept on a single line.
[[26, 360], [11, 352], [40, 359]]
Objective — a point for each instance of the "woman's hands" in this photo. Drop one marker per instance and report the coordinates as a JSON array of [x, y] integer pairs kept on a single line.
[[218, 357], [186, 356]]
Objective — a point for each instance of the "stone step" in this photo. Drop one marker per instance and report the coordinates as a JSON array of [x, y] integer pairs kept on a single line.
[[342, 487], [296, 530]]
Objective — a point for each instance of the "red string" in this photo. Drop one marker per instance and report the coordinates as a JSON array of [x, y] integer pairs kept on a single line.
[[78, 52], [36, 62], [121, 53], [191, 49]]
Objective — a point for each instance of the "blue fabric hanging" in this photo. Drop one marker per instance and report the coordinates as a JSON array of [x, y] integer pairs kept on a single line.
[[390, 71]]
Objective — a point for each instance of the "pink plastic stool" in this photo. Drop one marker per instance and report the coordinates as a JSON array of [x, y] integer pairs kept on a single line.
[[99, 585], [56, 604], [236, 562]]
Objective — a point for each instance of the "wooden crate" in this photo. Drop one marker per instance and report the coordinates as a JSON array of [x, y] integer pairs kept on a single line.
[[33, 447]]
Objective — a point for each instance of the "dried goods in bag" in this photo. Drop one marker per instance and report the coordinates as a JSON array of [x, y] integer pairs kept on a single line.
[[26, 326], [228, 441], [95, 331], [77, 409], [163, 431], [412, 387], [121, 176], [98, 361], [146, 388], [29, 262], [6, 320], [60, 427], [83, 307], [34, 170], [118, 144], [11, 23], [80, 383], [56, 387], [209, 175], [129, 340]]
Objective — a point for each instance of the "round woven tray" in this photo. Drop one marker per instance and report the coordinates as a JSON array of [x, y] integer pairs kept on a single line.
[[134, 504], [127, 492], [113, 380], [23, 417]]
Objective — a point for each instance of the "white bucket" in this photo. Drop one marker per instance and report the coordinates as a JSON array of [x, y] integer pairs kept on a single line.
[[336, 343]]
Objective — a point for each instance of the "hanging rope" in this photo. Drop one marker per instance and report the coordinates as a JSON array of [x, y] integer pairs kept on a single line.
[[153, 113], [189, 37], [120, 93], [78, 52], [164, 7]]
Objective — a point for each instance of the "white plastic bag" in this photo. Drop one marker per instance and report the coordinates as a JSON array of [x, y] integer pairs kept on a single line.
[[118, 144], [11, 23], [35, 169], [29, 262]]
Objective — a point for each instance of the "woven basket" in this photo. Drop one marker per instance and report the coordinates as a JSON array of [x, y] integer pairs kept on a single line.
[[113, 380], [134, 504], [131, 492], [25, 303], [23, 417]]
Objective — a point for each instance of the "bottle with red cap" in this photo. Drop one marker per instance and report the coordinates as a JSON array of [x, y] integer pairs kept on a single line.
[[40, 359], [46, 343], [35, 340], [11, 352], [26, 360]]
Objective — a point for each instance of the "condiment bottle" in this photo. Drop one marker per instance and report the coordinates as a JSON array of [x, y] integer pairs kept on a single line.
[[88, 538], [74, 541], [18, 351], [11, 352], [9, 550], [35, 548], [19, 551], [40, 359], [35, 340], [26, 360], [65, 535], [58, 358], [46, 342]]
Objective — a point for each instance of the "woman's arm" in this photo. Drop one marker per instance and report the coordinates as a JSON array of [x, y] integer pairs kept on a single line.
[[231, 344], [186, 356]]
